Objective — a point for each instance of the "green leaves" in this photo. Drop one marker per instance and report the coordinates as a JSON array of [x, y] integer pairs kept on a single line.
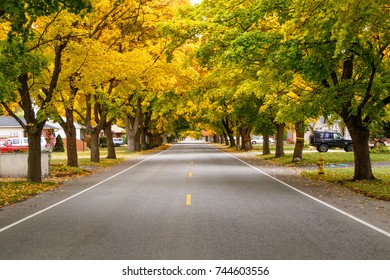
[[23, 13]]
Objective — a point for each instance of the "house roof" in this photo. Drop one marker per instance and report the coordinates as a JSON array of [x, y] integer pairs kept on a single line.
[[58, 126], [117, 129], [6, 121]]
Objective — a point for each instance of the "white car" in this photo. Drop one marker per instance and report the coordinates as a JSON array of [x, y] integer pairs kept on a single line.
[[259, 140], [118, 142]]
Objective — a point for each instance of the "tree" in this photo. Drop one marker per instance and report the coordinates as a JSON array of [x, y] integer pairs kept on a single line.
[[23, 49], [343, 46], [23, 13]]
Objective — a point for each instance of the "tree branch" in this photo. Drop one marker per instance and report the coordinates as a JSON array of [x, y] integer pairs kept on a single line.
[[368, 89], [44, 31], [11, 113], [386, 101]]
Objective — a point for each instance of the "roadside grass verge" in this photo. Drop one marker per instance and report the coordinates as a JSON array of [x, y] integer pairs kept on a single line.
[[329, 158], [13, 189], [379, 188], [272, 147]]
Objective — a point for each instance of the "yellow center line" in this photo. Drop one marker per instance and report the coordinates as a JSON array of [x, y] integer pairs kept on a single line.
[[190, 174], [188, 200]]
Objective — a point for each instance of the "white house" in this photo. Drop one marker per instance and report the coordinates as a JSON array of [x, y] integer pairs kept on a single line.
[[10, 128], [80, 132]]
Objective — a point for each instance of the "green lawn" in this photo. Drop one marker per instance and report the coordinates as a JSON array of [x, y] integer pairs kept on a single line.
[[329, 158], [379, 188]]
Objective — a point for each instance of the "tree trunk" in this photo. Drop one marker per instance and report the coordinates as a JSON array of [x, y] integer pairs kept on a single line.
[[33, 129], [68, 123], [279, 140], [132, 128], [34, 170], [229, 131], [71, 137], [132, 133], [246, 138], [71, 143], [360, 135], [226, 138], [300, 141], [137, 140], [95, 150], [130, 141], [266, 149], [137, 143], [232, 141], [238, 141], [100, 118], [143, 139], [110, 143]]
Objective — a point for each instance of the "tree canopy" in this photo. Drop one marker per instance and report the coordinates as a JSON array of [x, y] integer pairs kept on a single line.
[[163, 68]]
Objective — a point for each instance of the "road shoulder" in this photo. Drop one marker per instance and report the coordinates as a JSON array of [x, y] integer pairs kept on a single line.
[[14, 212], [371, 210]]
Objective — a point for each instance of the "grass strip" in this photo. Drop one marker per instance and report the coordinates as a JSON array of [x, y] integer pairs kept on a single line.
[[378, 188]]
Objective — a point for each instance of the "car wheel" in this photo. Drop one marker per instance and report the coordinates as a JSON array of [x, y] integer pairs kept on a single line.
[[349, 148], [323, 148], [253, 142]]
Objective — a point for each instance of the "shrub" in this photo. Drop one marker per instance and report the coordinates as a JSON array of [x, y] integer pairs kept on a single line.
[[59, 146], [103, 141], [380, 150]]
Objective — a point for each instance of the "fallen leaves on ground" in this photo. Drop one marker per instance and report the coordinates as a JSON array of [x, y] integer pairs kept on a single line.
[[13, 191]]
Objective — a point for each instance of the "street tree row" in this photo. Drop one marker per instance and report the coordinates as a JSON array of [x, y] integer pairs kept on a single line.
[[277, 63], [96, 62]]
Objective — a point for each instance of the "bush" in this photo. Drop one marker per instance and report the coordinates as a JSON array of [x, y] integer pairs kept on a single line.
[[380, 150], [59, 147], [103, 141]]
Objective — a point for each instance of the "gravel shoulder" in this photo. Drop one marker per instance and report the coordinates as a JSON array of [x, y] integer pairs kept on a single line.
[[370, 210]]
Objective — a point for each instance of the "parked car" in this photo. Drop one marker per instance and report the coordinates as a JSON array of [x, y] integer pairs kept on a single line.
[[324, 140], [11, 145], [260, 140], [118, 142]]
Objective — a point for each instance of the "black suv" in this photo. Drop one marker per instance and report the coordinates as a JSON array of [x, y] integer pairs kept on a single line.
[[324, 140]]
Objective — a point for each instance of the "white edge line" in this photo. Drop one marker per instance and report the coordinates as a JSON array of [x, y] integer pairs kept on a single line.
[[77, 194], [313, 198]]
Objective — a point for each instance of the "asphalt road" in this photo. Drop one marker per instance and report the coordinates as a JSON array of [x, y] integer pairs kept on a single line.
[[189, 202]]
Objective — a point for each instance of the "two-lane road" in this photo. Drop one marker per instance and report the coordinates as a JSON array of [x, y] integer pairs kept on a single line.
[[190, 202]]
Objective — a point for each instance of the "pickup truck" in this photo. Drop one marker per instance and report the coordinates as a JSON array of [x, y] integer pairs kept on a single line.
[[6, 146], [13, 145]]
